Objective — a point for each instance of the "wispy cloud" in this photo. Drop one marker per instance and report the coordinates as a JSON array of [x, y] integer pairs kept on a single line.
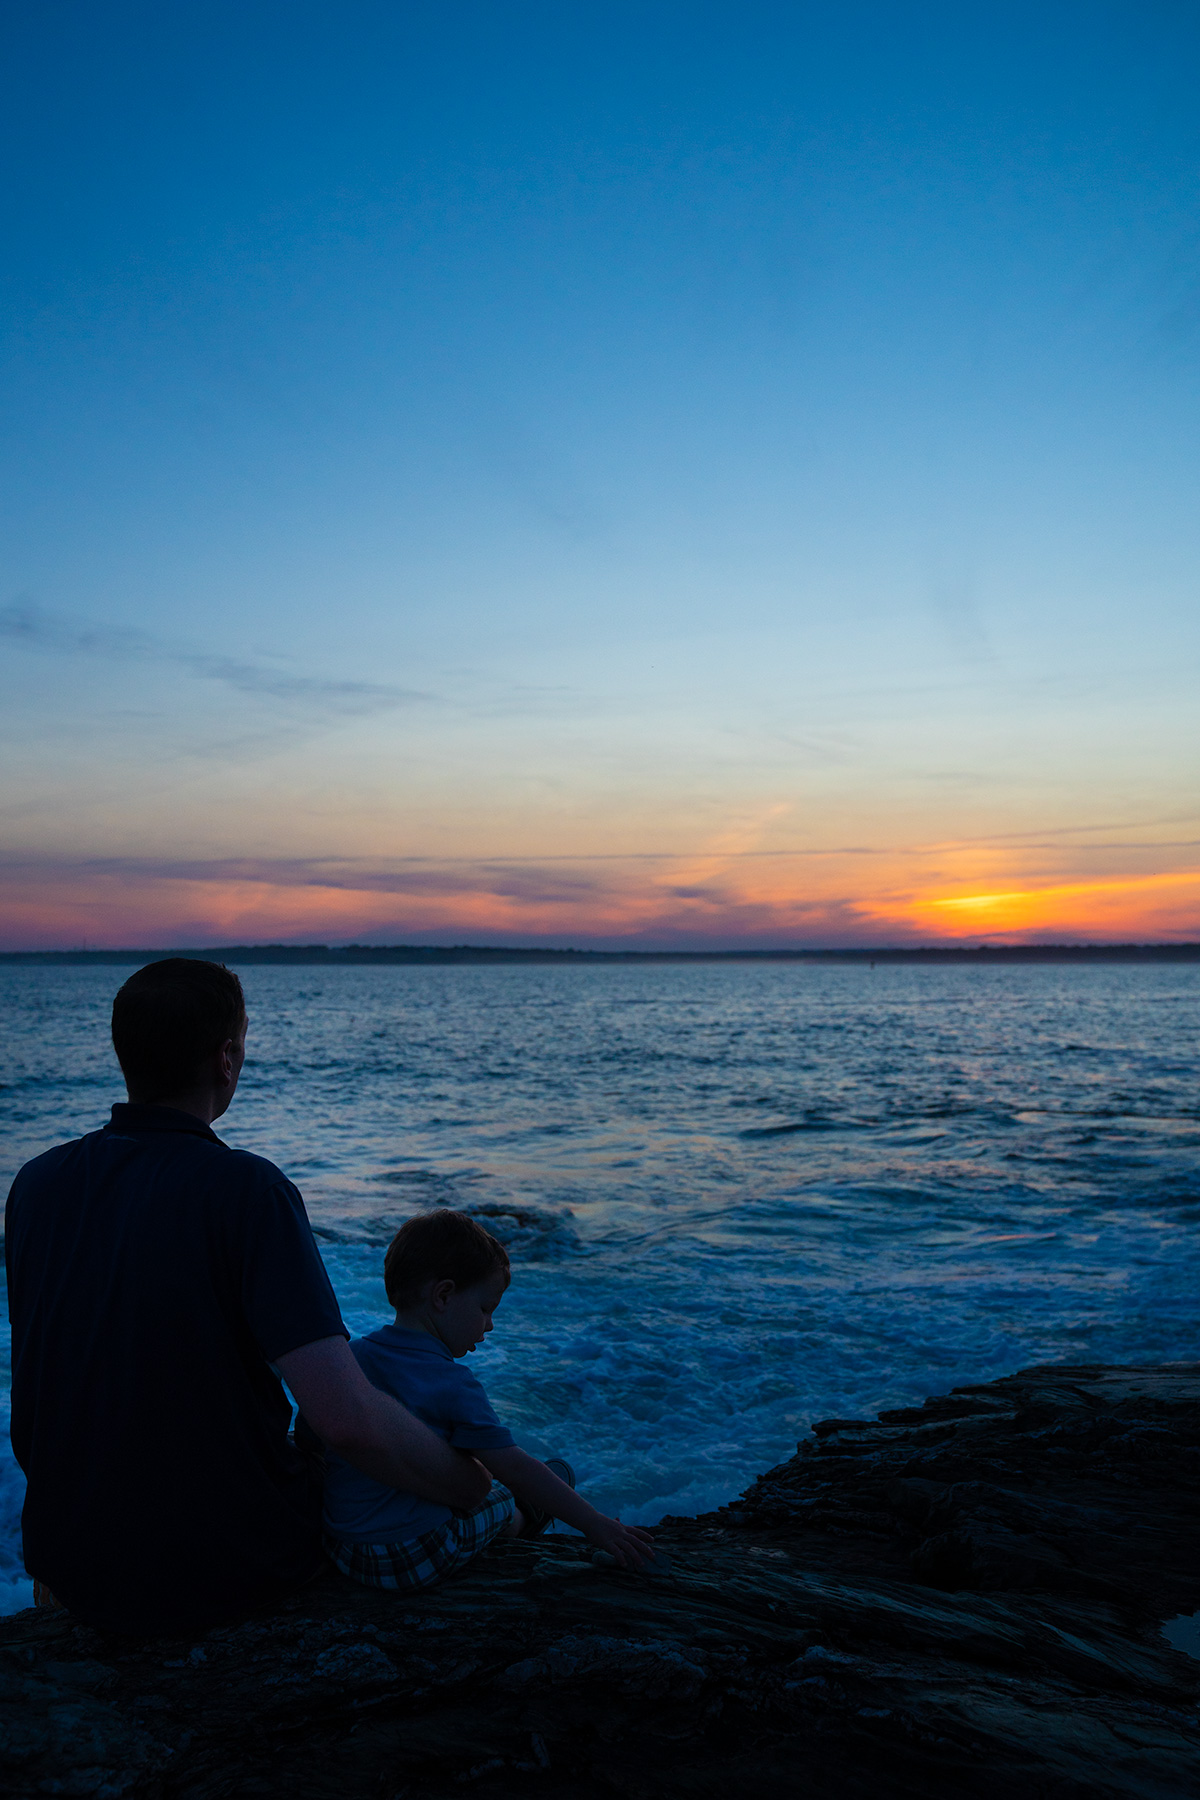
[[256, 899], [525, 880], [316, 697]]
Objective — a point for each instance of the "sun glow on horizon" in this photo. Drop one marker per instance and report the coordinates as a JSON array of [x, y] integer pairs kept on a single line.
[[1161, 905], [720, 900]]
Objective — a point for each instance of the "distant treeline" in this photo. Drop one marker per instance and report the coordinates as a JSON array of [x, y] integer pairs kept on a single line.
[[474, 953]]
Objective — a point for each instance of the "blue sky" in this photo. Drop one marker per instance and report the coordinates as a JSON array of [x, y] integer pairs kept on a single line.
[[657, 473]]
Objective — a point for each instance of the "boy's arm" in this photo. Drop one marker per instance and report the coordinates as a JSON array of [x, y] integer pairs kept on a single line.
[[536, 1485], [374, 1432]]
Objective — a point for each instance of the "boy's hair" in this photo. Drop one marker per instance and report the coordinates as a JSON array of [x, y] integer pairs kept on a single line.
[[439, 1246], [168, 1018]]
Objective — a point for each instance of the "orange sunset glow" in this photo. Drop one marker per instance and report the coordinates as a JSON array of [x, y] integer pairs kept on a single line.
[[724, 900], [1146, 908]]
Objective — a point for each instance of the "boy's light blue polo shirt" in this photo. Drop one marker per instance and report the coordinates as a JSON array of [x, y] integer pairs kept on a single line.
[[418, 1370]]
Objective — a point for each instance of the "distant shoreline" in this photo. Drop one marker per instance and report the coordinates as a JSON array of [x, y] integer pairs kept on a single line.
[[359, 955]]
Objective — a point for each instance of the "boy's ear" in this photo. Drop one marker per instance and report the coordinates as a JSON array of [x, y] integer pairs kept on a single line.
[[439, 1294]]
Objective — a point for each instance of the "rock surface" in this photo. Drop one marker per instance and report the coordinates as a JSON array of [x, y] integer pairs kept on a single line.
[[962, 1598]]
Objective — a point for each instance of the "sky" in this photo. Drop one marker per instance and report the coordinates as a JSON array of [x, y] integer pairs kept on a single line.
[[655, 474]]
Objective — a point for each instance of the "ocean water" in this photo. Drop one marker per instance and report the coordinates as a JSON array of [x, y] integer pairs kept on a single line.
[[737, 1197]]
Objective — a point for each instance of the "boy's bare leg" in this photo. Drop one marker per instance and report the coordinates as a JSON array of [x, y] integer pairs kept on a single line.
[[516, 1524]]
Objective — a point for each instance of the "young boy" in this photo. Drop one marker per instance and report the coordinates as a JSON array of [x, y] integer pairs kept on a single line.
[[445, 1275]]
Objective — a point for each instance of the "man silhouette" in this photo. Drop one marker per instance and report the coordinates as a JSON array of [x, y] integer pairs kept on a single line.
[[155, 1276]]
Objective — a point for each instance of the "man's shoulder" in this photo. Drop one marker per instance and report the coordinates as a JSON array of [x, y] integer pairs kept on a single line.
[[207, 1154], [256, 1171], [241, 1169], [205, 1160], [46, 1165], [252, 1185]]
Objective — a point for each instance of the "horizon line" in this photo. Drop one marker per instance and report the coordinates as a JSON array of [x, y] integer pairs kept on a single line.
[[278, 952]]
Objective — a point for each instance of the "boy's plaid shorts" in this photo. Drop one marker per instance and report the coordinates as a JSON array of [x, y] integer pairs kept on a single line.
[[426, 1558]]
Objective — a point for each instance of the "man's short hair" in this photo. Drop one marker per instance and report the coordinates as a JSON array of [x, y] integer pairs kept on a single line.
[[168, 1018], [439, 1246]]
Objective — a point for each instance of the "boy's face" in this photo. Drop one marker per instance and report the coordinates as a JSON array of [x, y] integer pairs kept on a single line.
[[465, 1318]]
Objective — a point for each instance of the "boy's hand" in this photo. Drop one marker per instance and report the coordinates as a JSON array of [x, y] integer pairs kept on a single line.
[[536, 1485], [628, 1545]]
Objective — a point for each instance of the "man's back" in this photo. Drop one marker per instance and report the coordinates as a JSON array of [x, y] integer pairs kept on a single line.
[[153, 1275]]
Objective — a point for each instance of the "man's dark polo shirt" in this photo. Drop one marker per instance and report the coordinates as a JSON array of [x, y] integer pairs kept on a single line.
[[153, 1274]]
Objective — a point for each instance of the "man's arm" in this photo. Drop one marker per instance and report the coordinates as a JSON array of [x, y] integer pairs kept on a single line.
[[373, 1431]]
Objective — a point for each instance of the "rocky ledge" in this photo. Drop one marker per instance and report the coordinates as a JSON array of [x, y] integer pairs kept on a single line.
[[961, 1598]]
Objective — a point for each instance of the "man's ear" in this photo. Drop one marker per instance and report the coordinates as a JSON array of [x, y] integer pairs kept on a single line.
[[440, 1293]]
